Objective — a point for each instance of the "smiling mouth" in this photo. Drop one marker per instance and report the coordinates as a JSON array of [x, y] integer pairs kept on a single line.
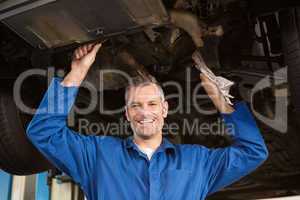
[[146, 121]]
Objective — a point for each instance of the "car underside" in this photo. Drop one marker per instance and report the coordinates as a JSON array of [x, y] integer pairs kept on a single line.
[[256, 44]]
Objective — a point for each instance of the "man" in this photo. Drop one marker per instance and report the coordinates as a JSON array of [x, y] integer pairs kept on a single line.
[[145, 166]]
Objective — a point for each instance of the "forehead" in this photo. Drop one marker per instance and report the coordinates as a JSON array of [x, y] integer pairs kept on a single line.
[[143, 93]]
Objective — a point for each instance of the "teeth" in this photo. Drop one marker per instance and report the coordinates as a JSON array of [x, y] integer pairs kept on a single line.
[[146, 121]]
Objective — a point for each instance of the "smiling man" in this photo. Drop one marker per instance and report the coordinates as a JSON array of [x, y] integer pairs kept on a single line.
[[146, 109], [146, 165]]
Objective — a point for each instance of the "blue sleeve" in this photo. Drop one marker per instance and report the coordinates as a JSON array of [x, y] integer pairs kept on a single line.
[[69, 151], [248, 151]]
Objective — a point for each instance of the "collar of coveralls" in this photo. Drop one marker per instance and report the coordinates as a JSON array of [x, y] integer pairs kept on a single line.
[[166, 145]]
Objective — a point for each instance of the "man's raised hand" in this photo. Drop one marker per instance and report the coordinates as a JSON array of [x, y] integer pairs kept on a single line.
[[84, 56], [83, 59]]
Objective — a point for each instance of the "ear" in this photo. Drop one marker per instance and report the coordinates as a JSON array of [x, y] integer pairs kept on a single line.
[[126, 114], [165, 109]]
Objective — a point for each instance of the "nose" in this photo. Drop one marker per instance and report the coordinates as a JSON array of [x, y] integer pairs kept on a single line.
[[144, 111]]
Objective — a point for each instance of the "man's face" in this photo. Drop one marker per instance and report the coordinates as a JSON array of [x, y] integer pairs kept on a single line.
[[146, 110]]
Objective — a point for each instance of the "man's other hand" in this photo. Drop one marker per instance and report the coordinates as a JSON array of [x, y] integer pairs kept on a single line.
[[215, 95]]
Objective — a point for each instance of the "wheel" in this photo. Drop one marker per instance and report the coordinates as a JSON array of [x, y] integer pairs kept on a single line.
[[289, 20], [17, 155]]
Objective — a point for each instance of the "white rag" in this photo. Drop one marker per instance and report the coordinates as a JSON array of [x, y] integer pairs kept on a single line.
[[222, 83]]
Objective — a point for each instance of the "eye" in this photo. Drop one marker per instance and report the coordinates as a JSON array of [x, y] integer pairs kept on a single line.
[[134, 105], [152, 104]]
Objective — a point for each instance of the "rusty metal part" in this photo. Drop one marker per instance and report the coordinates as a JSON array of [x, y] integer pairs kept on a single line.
[[214, 31], [145, 12], [105, 74], [190, 24], [198, 59], [175, 34], [152, 35], [128, 59], [181, 4], [194, 27]]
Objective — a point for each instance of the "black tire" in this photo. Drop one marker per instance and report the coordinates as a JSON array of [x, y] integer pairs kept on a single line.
[[289, 20], [17, 155]]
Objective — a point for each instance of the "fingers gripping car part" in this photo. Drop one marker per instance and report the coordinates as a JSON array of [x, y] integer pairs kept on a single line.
[[222, 83]]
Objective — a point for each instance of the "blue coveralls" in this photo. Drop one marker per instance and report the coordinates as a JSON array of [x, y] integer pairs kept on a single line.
[[109, 168]]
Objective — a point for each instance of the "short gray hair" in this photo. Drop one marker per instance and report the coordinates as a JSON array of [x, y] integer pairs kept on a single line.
[[142, 81]]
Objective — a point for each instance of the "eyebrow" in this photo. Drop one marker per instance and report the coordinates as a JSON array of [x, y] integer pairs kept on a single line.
[[153, 101], [150, 101], [134, 102]]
